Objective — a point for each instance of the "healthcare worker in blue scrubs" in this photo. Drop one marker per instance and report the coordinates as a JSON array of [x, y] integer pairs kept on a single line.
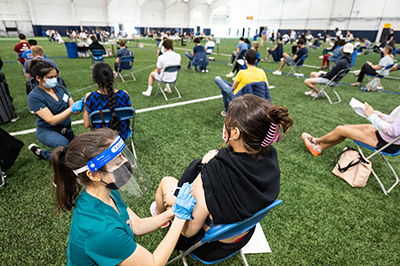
[[103, 228], [53, 105]]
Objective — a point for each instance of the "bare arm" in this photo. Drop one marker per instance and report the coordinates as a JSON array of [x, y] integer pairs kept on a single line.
[[146, 225], [86, 114], [142, 257], [235, 84]]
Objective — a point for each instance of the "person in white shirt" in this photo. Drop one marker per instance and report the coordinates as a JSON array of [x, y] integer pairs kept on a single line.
[[209, 44], [169, 58]]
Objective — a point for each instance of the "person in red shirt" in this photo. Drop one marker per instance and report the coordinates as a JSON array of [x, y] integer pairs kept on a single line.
[[21, 47]]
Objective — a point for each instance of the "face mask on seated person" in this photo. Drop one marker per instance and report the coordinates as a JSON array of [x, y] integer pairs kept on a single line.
[[50, 83]]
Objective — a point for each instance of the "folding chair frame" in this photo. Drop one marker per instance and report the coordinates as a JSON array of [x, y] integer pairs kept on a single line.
[[223, 231], [3, 177], [126, 58], [295, 69], [332, 85], [123, 112], [160, 89], [383, 156]]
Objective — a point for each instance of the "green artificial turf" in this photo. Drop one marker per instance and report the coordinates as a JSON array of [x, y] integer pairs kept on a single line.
[[322, 221]]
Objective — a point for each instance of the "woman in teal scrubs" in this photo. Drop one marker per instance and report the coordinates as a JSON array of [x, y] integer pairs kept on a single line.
[[103, 228]]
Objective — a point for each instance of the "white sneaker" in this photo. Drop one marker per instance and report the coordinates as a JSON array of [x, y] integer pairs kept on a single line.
[[313, 94], [282, 59], [230, 64], [308, 93], [277, 72], [321, 57], [153, 213], [223, 113], [146, 93], [206, 71], [167, 90], [230, 75], [271, 87]]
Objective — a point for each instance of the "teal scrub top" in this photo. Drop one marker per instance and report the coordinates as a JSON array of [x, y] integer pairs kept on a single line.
[[98, 234]]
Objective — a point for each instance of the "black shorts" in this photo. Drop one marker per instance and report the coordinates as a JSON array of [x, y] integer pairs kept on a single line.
[[381, 142]]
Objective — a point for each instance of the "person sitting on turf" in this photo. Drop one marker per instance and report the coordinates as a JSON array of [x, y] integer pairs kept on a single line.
[[95, 45], [234, 183], [382, 130], [240, 50], [274, 51], [245, 76], [123, 51], [374, 70], [302, 50], [317, 78], [169, 58], [198, 56], [106, 97]]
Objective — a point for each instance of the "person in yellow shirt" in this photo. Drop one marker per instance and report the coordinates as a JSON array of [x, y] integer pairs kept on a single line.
[[244, 77]]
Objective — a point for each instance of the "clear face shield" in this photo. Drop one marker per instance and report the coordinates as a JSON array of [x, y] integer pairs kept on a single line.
[[122, 171]]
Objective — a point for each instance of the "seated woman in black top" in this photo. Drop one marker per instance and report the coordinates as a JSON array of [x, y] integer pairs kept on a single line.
[[233, 183]]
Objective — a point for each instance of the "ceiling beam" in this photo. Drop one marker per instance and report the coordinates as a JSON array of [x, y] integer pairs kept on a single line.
[[168, 3]]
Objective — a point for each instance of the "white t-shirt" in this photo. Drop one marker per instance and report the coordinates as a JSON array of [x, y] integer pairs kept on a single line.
[[162, 47], [168, 59], [210, 44], [386, 60]]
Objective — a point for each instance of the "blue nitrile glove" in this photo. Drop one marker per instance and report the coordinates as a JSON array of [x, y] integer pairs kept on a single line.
[[184, 203], [77, 106], [83, 99]]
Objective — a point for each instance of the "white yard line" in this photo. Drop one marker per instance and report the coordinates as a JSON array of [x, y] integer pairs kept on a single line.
[[33, 130]]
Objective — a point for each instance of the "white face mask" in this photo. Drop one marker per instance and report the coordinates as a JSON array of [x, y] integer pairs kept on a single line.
[[50, 83]]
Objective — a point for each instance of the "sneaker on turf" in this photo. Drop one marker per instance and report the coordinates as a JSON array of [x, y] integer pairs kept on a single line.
[[277, 72], [153, 213], [168, 90], [33, 148], [308, 93], [223, 113], [312, 147], [230, 75], [15, 119], [146, 93], [230, 64]]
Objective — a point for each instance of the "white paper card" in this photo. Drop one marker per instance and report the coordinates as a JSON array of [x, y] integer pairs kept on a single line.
[[358, 107], [65, 98], [258, 243]]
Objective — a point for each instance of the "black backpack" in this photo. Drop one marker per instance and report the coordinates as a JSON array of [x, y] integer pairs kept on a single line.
[[6, 107]]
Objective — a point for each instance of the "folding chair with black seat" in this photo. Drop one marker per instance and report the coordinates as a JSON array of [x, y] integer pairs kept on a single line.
[[371, 79], [98, 55], [125, 113], [333, 83], [126, 63], [295, 69], [315, 47], [375, 151], [224, 231], [170, 69]]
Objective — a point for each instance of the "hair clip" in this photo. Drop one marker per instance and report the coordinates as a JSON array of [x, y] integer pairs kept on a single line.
[[272, 135]]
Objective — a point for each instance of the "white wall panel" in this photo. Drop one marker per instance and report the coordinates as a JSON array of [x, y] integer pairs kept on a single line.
[[14, 10]]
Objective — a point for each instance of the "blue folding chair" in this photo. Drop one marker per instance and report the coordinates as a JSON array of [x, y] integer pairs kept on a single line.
[[170, 69], [378, 76], [375, 151], [354, 57], [224, 231], [126, 63], [124, 113], [98, 55], [295, 69]]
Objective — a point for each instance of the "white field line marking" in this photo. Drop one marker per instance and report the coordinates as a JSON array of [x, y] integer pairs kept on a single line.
[[33, 130]]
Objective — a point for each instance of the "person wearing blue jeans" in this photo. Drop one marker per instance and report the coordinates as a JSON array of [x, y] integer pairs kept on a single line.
[[53, 105], [244, 76]]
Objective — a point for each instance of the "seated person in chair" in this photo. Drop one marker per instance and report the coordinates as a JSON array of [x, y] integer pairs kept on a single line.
[[337, 54], [240, 50], [198, 56], [274, 51], [317, 78], [169, 58], [123, 51], [302, 50], [245, 76], [374, 70], [234, 183], [106, 97], [95, 45], [20, 48], [210, 44], [382, 130]]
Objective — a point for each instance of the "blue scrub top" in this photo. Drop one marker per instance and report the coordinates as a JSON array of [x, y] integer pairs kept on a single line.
[[98, 234], [39, 99]]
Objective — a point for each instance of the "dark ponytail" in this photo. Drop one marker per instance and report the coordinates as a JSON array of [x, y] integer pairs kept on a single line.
[[103, 75], [81, 150], [38, 68], [253, 116]]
